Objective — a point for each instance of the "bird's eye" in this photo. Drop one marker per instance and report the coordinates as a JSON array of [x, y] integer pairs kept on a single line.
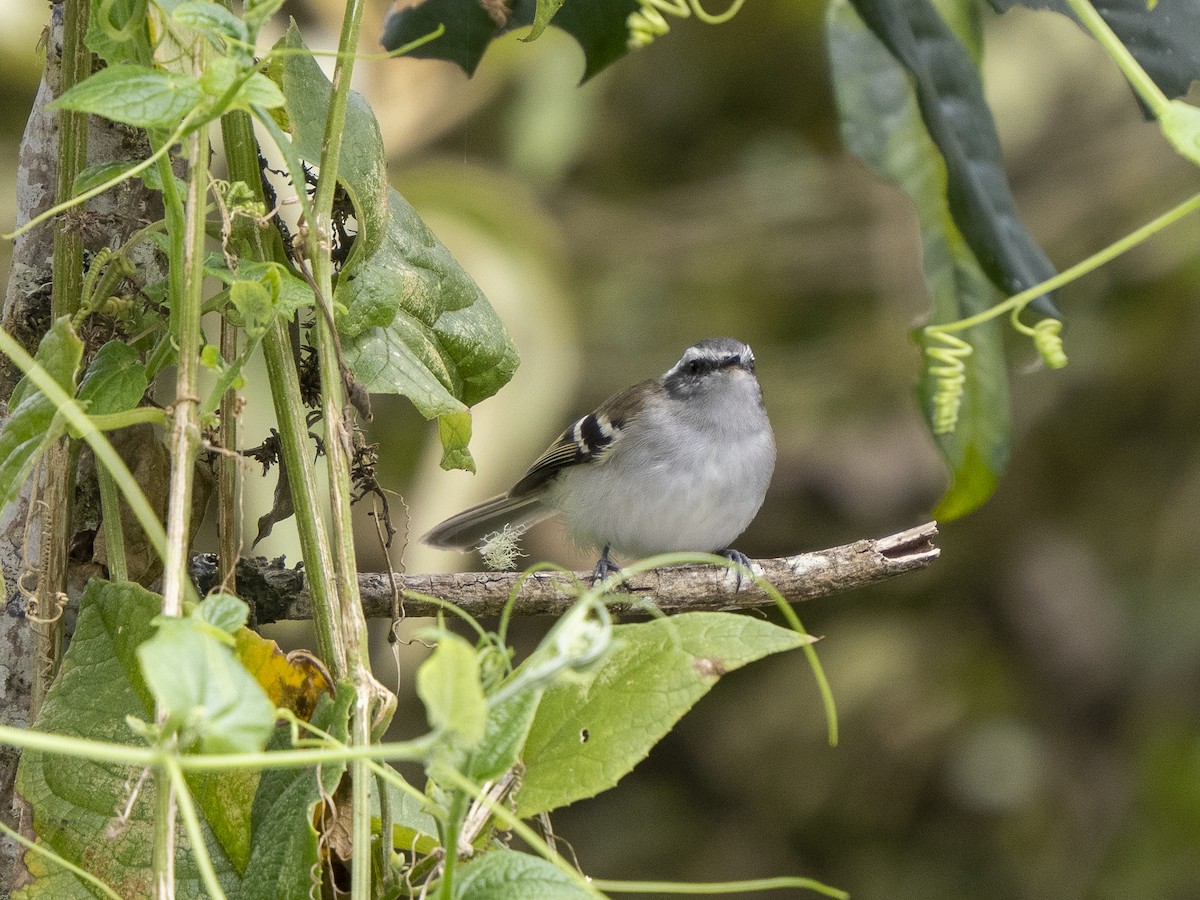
[[694, 367]]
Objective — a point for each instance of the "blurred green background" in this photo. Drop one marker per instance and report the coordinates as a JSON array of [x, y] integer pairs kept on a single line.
[[1020, 721]]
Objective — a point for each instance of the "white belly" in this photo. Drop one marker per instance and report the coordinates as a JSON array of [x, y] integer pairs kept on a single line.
[[656, 497]]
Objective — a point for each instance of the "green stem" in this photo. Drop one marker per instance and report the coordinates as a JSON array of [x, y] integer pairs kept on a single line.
[[338, 447], [135, 416], [416, 750], [229, 474], [191, 822], [187, 300], [241, 150], [302, 478], [720, 887], [1084, 267], [163, 858], [450, 832], [114, 538], [512, 823], [1107, 38]]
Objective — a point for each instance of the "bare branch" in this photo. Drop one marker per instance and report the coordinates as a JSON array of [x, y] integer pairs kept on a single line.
[[276, 592]]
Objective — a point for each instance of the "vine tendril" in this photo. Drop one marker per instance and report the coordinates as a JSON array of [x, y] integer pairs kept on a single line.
[[951, 374], [647, 23], [1047, 337]]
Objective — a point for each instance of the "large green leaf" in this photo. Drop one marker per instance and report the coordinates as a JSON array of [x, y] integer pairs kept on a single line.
[[416, 324], [413, 322], [259, 827], [284, 849], [881, 123], [1164, 37], [362, 167], [77, 804], [509, 875], [599, 26], [32, 425], [135, 95], [591, 730], [950, 97]]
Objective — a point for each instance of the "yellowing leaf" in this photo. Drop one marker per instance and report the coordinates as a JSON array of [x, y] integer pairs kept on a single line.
[[294, 681]]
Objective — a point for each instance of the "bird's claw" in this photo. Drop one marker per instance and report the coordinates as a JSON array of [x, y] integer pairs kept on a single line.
[[604, 567], [741, 559]]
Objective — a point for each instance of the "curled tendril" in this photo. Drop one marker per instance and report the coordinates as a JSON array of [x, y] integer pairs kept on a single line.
[[647, 23], [1047, 337], [951, 373]]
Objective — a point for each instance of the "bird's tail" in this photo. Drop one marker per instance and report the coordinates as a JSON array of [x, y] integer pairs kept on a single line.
[[467, 530]]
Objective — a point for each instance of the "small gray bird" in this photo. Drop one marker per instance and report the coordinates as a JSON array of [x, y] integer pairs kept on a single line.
[[675, 463]]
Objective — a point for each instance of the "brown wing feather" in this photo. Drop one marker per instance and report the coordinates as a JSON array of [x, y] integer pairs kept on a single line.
[[587, 441]]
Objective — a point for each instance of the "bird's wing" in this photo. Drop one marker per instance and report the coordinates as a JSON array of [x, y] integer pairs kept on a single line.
[[589, 440]]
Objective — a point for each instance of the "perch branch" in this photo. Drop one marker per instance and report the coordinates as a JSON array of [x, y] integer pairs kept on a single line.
[[276, 592]]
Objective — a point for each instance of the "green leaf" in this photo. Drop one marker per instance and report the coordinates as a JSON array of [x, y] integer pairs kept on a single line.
[[32, 423], [257, 13], [590, 731], [362, 166], [77, 804], [1161, 36], [504, 734], [258, 90], [454, 431], [223, 611], [413, 829], [214, 21], [509, 875], [412, 320], [115, 381], [415, 286], [1181, 124], [599, 26], [448, 684], [135, 95], [950, 97], [117, 30], [416, 324], [881, 123], [94, 176], [205, 692], [255, 302], [284, 848], [544, 12], [288, 292]]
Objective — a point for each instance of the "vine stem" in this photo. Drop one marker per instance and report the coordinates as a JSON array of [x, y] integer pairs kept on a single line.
[[1084, 267], [416, 750], [338, 454], [1132, 69], [241, 151], [66, 286]]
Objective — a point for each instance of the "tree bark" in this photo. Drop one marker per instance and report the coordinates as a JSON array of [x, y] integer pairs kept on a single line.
[[106, 221]]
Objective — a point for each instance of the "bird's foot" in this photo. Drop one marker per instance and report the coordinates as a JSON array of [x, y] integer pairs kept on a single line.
[[742, 560], [604, 567]]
